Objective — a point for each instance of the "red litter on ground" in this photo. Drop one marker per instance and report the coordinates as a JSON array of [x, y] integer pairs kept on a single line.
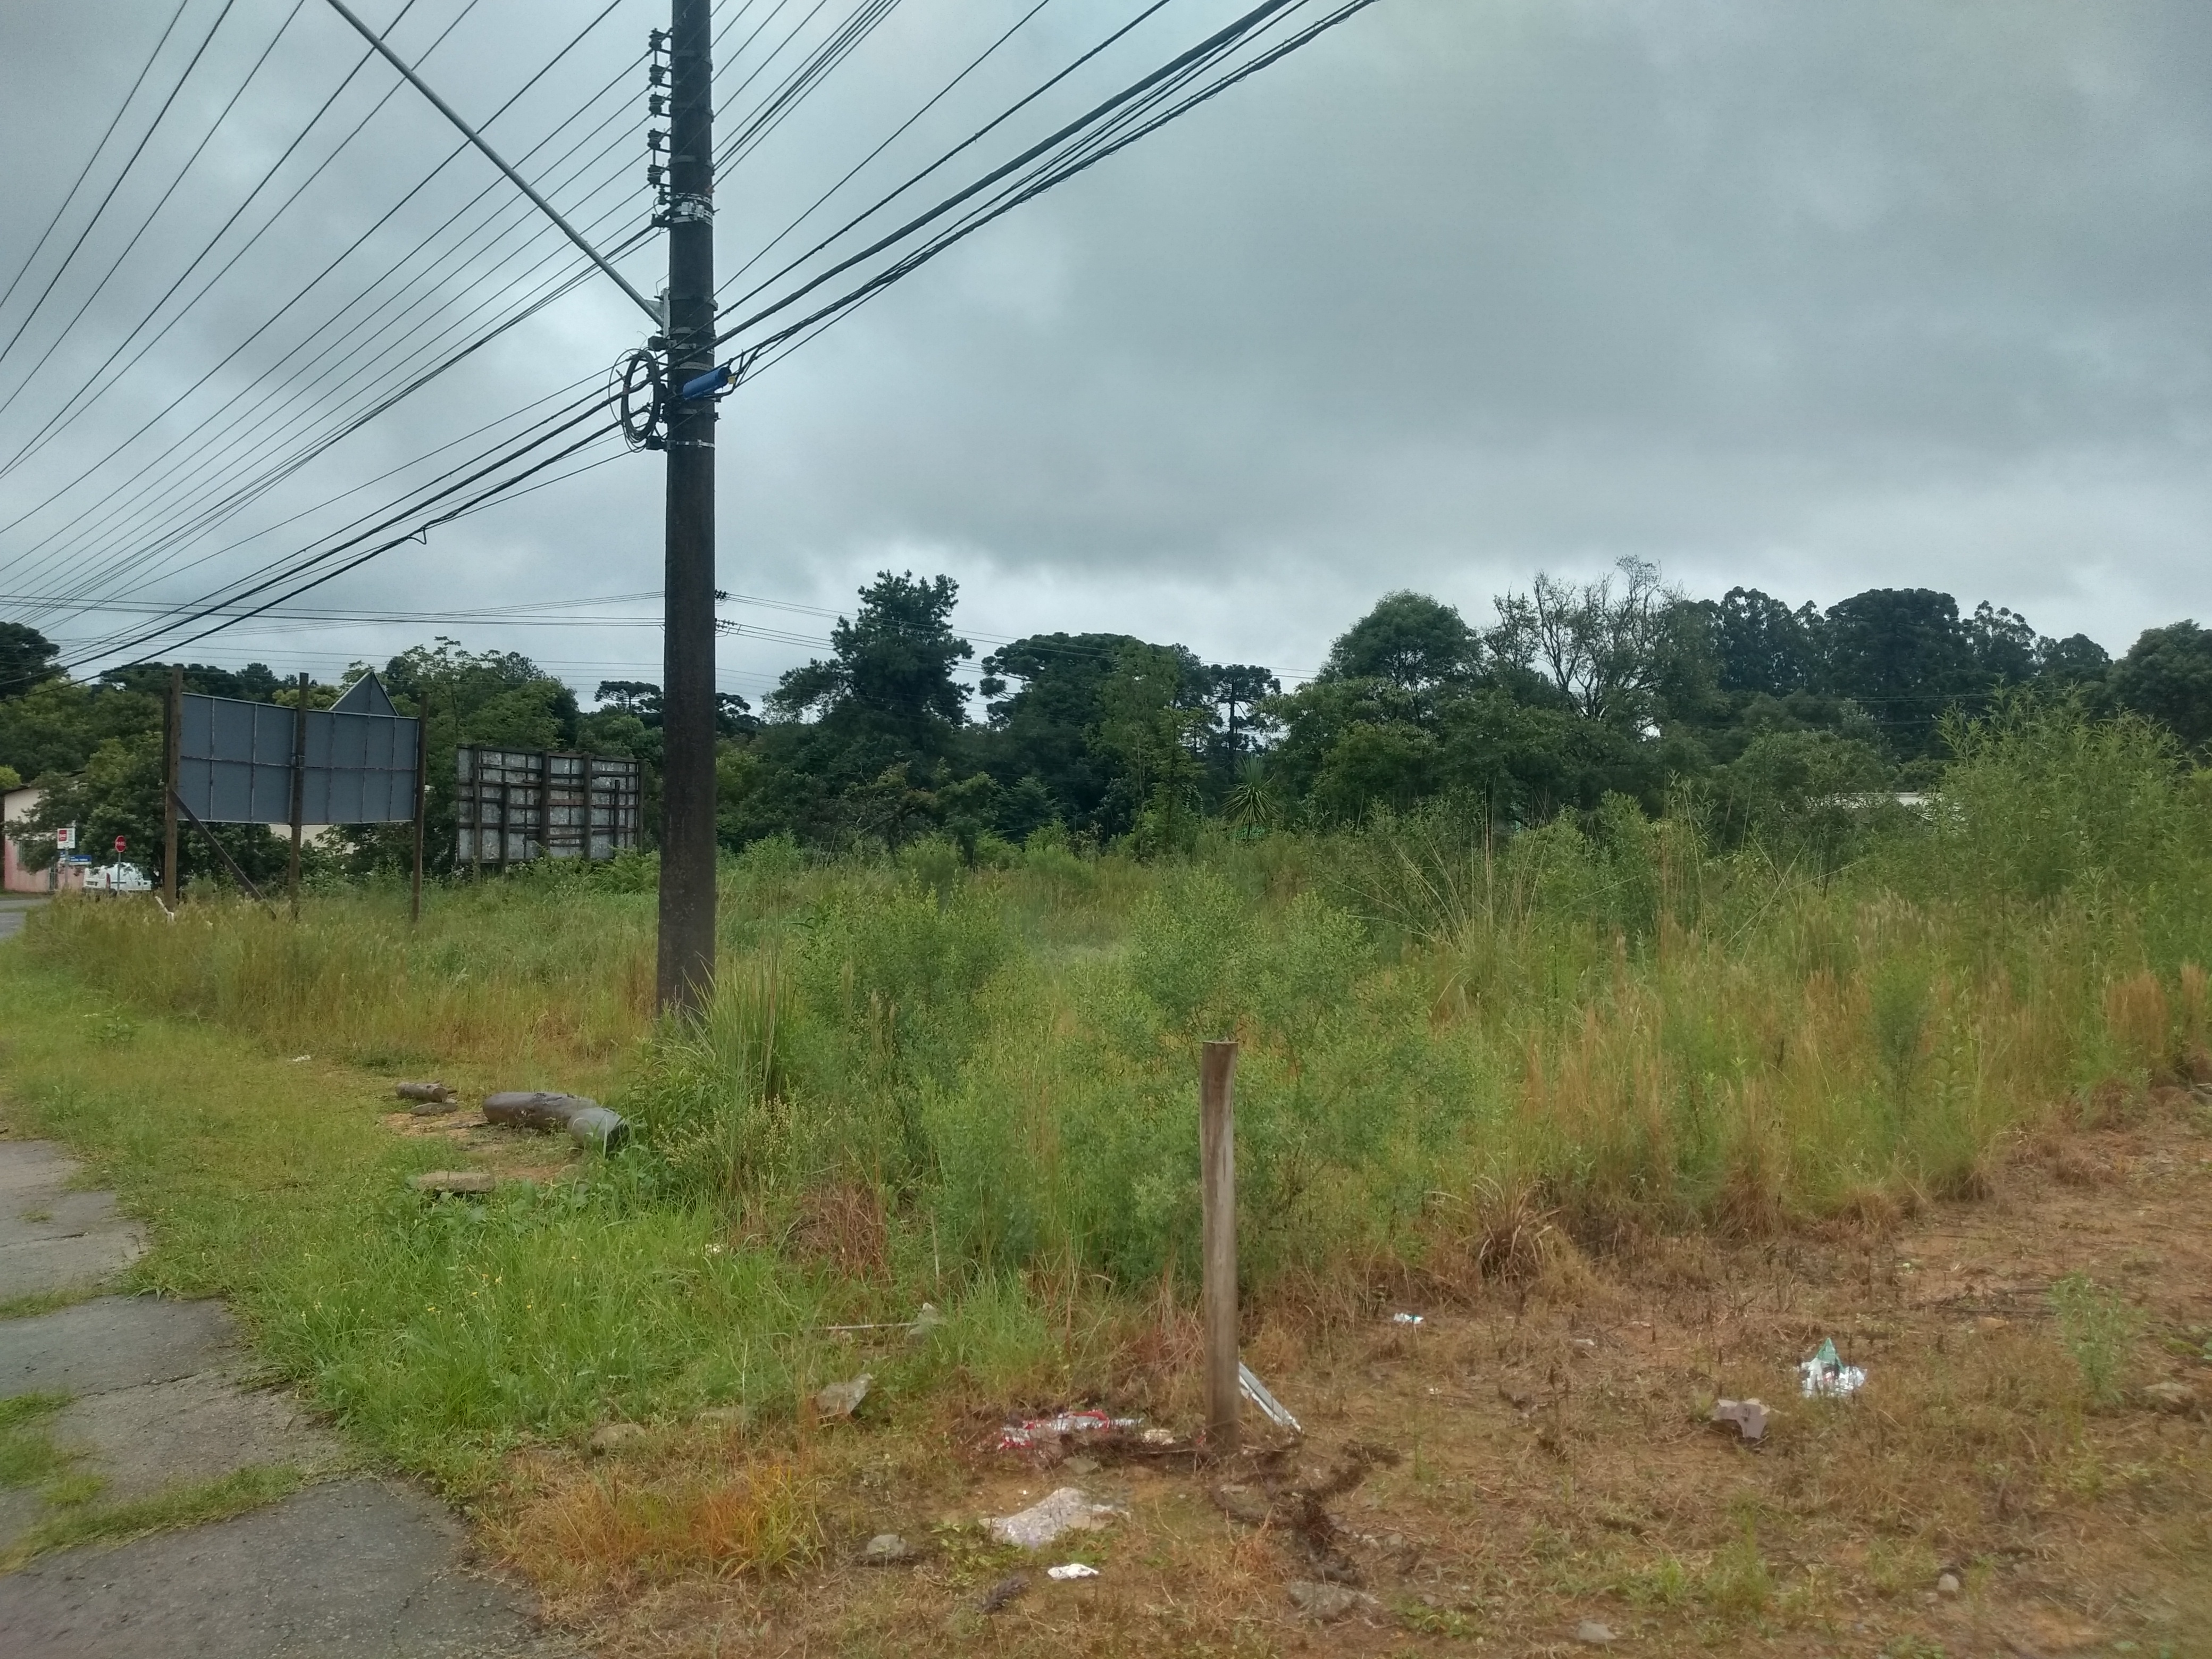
[[1045, 1431]]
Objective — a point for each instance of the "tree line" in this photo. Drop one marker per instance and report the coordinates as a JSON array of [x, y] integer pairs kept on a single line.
[[1773, 718]]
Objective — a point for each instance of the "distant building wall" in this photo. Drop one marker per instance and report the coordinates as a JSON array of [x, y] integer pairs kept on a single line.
[[16, 805]]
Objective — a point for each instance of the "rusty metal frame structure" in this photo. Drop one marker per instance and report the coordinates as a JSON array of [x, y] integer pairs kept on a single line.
[[512, 805]]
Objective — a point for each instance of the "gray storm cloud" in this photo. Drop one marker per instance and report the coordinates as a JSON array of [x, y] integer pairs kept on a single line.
[[1810, 299]]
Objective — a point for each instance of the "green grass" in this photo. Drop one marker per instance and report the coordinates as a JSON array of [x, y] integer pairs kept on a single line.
[[444, 1334], [977, 1086], [176, 1506], [2098, 1330], [28, 1453]]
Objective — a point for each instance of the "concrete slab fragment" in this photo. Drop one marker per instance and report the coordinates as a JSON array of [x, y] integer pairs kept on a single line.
[[68, 1264], [29, 1216], [196, 1428], [355, 1569], [27, 1165], [115, 1342]]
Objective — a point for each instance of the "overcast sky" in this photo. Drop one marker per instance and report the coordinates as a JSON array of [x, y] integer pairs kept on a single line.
[[1811, 298]]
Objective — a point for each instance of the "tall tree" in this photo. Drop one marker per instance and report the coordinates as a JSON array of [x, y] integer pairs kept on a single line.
[[892, 672], [2076, 660], [2167, 675], [1409, 639], [1764, 646], [1237, 690], [1042, 712], [1605, 648], [26, 656], [1902, 655]]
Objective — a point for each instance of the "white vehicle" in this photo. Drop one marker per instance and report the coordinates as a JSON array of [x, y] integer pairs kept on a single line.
[[117, 879]]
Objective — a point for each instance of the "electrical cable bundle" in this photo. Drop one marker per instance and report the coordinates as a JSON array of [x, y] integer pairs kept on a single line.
[[383, 346]]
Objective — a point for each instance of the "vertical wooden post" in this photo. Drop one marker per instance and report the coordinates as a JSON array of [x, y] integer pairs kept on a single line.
[[299, 791], [422, 764], [172, 742], [1218, 1160]]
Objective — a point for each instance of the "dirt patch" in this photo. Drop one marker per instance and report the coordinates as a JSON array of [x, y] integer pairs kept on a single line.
[[1510, 1473]]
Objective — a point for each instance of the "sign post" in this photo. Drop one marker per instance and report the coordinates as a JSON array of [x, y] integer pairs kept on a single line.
[[298, 792], [171, 735]]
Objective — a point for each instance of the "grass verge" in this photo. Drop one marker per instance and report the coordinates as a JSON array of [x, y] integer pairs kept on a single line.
[[186, 1505]]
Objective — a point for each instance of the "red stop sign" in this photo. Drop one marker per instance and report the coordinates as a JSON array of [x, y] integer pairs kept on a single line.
[[118, 843]]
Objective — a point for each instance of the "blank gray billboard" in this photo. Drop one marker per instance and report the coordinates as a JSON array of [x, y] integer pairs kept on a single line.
[[234, 760]]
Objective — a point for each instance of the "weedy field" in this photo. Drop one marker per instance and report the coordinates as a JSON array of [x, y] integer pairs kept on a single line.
[[1631, 1121]]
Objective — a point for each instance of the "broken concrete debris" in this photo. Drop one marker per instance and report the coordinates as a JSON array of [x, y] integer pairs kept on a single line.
[[1749, 1417], [441, 1182], [1069, 1509], [613, 1436], [886, 1549], [1591, 1633], [1324, 1604], [583, 1120], [2170, 1396], [426, 1093], [841, 1400]]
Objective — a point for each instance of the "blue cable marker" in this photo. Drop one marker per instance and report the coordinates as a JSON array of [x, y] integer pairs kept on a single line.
[[714, 380]]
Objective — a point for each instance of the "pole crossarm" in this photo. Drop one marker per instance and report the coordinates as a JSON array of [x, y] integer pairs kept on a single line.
[[494, 157]]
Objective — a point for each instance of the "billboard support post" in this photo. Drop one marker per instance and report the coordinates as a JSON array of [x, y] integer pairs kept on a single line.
[[299, 791], [171, 735]]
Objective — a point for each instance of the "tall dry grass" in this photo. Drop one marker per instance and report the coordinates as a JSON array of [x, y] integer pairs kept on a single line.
[[1602, 1022]]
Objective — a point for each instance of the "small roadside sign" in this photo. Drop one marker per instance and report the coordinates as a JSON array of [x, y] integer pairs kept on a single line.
[[65, 839]]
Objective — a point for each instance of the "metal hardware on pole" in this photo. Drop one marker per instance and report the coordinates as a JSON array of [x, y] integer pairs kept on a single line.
[[491, 154], [685, 967]]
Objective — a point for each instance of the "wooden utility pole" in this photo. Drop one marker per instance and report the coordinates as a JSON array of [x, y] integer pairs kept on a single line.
[[422, 763], [686, 961], [172, 740], [1217, 1109], [299, 791]]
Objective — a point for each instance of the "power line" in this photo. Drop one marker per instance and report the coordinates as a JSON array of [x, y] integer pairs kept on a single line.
[[966, 144], [194, 386], [84, 172], [144, 139], [89, 394], [1212, 46], [214, 436], [897, 133], [147, 223], [369, 397], [297, 569]]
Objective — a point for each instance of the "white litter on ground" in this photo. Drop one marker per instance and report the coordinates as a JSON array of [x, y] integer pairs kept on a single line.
[[1068, 1510]]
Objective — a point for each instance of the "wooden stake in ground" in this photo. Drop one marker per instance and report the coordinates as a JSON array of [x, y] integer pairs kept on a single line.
[[172, 739], [299, 790], [1218, 1173]]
